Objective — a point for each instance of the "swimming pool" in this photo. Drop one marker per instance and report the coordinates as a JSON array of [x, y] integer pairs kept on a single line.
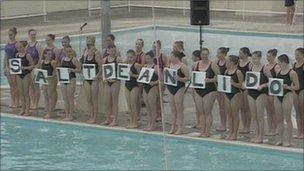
[[213, 39], [28, 145]]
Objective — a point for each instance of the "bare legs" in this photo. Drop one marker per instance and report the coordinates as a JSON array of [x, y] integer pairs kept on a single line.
[[283, 110], [271, 117], [233, 108], [245, 113], [34, 93], [132, 102], [177, 108], [298, 101], [14, 90], [222, 111], [257, 109], [92, 91], [23, 85], [50, 96], [151, 105], [290, 14], [111, 98], [68, 91]]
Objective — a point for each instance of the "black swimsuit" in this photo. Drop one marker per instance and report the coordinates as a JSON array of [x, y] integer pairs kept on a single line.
[[234, 90], [300, 73], [147, 87], [107, 62], [272, 71], [69, 64], [244, 69], [222, 68], [256, 93], [209, 87], [287, 81], [174, 89], [92, 61], [48, 67], [132, 83], [24, 63]]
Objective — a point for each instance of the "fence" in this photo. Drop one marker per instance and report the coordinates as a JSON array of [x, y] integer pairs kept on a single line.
[[12, 9]]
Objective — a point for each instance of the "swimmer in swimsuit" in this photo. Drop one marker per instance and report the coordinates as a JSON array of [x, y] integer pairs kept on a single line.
[[132, 89], [283, 104], [24, 79], [177, 92], [205, 98], [92, 56], [233, 98]]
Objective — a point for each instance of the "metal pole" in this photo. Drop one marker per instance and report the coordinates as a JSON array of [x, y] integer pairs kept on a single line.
[[129, 5], [89, 7], [160, 95], [105, 20], [201, 38], [44, 12], [184, 9]]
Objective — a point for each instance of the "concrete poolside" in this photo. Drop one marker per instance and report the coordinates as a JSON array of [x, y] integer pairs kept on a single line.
[[81, 117], [141, 16]]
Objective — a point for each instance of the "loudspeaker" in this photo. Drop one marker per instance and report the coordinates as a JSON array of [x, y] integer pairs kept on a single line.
[[199, 12]]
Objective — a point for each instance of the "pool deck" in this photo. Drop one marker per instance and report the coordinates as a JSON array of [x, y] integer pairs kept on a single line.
[[81, 117], [122, 19], [139, 16]]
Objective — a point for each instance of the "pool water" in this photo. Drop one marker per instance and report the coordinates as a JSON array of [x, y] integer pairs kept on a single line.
[[41, 145], [213, 39]]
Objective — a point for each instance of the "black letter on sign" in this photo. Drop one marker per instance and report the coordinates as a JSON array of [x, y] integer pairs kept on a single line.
[[168, 75], [194, 83], [120, 70], [146, 75], [224, 84], [275, 87], [15, 66], [59, 76], [108, 71], [249, 77], [40, 76], [88, 67]]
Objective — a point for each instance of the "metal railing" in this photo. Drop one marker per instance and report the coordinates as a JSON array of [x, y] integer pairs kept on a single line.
[[131, 4]]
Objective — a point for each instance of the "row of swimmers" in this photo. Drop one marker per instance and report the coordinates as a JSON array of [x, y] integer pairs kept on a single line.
[[251, 104]]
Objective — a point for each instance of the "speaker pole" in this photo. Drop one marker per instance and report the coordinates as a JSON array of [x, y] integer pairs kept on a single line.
[[201, 38]]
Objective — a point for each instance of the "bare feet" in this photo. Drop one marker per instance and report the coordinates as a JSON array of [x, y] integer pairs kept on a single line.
[[149, 129], [232, 138], [244, 131], [258, 141], [221, 129], [69, 118], [92, 121], [287, 144], [179, 132], [299, 136], [113, 123], [279, 143], [13, 106], [48, 116], [106, 122], [27, 114], [172, 130], [205, 135], [21, 113]]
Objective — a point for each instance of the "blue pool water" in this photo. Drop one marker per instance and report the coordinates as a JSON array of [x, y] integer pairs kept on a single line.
[[39, 145], [212, 39]]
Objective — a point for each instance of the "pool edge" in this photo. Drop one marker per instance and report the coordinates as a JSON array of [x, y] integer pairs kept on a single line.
[[263, 146]]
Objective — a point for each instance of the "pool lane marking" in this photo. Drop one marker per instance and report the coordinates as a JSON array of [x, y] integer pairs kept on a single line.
[[264, 146]]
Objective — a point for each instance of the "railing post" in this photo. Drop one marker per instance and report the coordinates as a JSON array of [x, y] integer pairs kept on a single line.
[[89, 8], [129, 5], [44, 12]]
